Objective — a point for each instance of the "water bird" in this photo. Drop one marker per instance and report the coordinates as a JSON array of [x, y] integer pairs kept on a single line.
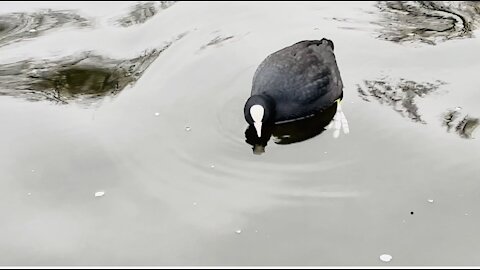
[[294, 83]]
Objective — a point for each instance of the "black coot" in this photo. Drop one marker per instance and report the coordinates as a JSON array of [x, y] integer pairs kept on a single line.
[[294, 83]]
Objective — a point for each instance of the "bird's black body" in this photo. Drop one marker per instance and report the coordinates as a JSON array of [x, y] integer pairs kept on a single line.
[[297, 81]]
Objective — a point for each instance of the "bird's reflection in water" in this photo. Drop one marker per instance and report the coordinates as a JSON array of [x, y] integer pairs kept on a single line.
[[291, 132]]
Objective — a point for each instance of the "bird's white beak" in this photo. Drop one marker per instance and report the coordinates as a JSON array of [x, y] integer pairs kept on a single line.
[[257, 111], [258, 127]]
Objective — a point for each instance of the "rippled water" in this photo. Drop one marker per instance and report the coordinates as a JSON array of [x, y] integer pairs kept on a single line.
[[124, 141]]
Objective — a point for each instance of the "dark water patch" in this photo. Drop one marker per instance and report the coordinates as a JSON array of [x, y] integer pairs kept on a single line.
[[401, 95], [463, 125], [16, 27], [85, 78], [142, 12], [427, 22]]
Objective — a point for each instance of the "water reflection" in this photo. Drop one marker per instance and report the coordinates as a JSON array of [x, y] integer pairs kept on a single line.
[[84, 78], [428, 22], [290, 132], [464, 126], [401, 95], [15, 27], [217, 40], [142, 12]]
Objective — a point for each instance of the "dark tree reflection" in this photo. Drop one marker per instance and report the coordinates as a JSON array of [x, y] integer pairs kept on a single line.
[[463, 125], [400, 95], [142, 12], [84, 78], [427, 21], [16, 27]]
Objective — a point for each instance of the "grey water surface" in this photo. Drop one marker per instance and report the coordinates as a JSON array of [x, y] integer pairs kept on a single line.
[[123, 140]]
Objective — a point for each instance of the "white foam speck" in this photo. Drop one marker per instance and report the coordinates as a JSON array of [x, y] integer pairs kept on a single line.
[[386, 257], [99, 193], [238, 231]]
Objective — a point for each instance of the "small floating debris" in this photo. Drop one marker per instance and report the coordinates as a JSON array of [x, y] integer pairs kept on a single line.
[[157, 114], [458, 108], [29, 194], [33, 171], [430, 201], [188, 128], [32, 30], [238, 231], [212, 166], [99, 193], [386, 257]]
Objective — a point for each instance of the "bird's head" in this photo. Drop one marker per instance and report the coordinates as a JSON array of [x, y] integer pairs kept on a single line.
[[259, 110]]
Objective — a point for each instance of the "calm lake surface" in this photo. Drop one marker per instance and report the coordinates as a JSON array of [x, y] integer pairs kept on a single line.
[[123, 137]]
